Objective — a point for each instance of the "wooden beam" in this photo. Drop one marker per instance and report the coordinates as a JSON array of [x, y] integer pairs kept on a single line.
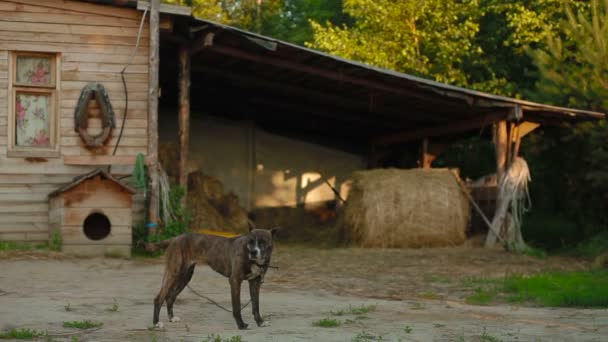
[[165, 8], [329, 74], [345, 102], [448, 128], [153, 115], [184, 115], [99, 160]]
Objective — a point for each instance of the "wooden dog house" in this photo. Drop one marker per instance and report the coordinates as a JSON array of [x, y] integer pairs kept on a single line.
[[93, 215]]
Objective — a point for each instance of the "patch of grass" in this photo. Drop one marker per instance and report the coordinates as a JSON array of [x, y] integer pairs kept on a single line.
[[67, 307], [86, 324], [22, 246], [327, 323], [218, 338], [482, 296], [361, 317], [560, 289], [366, 336], [56, 242], [437, 325], [357, 310], [21, 334], [407, 329]]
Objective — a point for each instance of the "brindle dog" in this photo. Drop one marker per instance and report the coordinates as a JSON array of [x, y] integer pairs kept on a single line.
[[245, 257]]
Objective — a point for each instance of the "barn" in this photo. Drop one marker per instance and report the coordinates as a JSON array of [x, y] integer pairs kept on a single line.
[[88, 85]]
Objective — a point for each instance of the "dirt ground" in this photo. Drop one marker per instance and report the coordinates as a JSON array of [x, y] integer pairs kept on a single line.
[[419, 296]]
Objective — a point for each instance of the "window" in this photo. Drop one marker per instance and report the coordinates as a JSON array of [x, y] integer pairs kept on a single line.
[[33, 109]]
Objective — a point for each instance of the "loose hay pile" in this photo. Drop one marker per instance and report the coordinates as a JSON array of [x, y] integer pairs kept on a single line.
[[209, 207], [406, 208]]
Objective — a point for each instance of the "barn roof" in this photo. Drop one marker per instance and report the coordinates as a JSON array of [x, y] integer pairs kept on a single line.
[[281, 85], [78, 180]]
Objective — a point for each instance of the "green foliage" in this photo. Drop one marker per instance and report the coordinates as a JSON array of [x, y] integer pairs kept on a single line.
[[327, 323], [21, 334], [86, 324], [573, 67], [138, 180], [182, 219], [431, 38], [591, 247]]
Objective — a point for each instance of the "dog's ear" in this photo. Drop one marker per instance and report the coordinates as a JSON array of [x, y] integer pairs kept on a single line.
[[274, 231], [251, 224]]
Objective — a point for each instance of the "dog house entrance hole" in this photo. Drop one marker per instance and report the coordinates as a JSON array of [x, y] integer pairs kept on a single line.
[[97, 226]]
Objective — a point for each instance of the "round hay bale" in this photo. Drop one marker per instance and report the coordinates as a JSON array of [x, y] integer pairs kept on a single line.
[[406, 208]]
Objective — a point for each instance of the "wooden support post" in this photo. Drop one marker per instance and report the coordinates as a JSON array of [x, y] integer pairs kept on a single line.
[[153, 115], [184, 117], [426, 158], [501, 142]]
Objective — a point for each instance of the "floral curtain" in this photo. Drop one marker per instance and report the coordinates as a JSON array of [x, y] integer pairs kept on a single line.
[[32, 116], [35, 71]]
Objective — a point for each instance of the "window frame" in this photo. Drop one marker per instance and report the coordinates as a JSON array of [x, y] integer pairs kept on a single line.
[[52, 91]]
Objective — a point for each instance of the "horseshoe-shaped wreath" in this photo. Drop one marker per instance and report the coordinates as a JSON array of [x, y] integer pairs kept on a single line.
[[81, 114]]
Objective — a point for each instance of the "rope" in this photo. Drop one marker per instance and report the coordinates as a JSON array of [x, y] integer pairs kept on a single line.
[[218, 304], [214, 302], [124, 84]]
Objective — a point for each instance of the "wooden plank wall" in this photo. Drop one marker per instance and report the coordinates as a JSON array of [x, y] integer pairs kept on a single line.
[[94, 43]]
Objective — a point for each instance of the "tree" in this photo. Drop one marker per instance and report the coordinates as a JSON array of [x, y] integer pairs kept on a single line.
[[573, 69], [429, 38]]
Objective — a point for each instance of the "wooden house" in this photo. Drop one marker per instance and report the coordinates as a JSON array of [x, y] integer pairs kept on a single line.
[[276, 122]]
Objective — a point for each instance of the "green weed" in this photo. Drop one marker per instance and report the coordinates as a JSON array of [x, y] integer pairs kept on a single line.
[[327, 323], [21, 334], [86, 324], [366, 336], [357, 310], [218, 338]]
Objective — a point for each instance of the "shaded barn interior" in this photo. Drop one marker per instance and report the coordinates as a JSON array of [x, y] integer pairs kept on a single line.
[[278, 123]]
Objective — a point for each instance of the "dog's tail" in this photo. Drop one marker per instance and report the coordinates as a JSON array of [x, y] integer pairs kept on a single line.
[[154, 247]]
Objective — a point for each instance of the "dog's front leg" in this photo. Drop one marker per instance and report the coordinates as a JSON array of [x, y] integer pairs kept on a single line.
[[254, 292], [235, 291]]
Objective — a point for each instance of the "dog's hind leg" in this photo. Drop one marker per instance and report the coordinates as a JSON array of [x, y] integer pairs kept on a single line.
[[182, 280]]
